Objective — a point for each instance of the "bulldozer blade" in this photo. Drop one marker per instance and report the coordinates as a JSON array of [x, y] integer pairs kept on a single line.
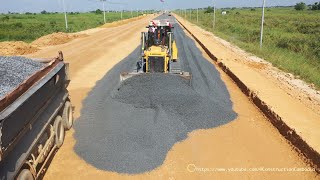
[[125, 75], [186, 76]]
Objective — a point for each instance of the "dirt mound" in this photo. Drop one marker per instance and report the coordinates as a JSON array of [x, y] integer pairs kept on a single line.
[[55, 39], [9, 48], [121, 22]]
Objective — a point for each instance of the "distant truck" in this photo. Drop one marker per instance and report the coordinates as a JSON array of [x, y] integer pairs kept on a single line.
[[33, 120]]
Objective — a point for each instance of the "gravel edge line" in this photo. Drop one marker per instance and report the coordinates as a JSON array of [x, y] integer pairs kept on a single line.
[[312, 156]]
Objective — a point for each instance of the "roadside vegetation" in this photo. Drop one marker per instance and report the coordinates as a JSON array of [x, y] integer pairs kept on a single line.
[[30, 26], [291, 37]]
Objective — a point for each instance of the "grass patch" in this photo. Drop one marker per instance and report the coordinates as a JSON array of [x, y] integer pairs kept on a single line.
[[291, 38], [28, 27]]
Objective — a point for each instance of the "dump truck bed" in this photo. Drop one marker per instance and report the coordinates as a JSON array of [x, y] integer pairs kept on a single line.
[[21, 106]]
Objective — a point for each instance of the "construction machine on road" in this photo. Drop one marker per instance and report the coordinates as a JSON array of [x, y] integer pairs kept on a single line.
[[159, 52]]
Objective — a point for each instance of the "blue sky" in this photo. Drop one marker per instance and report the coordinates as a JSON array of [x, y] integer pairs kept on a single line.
[[88, 5]]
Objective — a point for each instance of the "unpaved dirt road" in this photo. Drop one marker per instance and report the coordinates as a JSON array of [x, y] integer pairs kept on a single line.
[[115, 137]]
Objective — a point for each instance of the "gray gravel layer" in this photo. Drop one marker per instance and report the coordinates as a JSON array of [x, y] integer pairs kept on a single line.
[[14, 70], [130, 127]]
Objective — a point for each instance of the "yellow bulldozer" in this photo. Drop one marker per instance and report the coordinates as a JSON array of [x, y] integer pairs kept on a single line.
[[159, 52]]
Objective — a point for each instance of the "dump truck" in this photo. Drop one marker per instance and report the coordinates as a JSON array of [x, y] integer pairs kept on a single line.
[[159, 53], [33, 118]]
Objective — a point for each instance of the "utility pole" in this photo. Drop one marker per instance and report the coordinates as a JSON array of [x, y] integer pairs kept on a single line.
[[65, 15], [190, 13], [197, 15], [185, 13], [214, 14], [262, 23], [104, 11]]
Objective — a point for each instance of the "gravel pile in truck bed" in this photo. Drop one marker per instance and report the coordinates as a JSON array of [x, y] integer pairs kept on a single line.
[[14, 70]]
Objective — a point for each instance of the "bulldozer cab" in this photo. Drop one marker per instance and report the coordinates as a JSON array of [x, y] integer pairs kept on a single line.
[[157, 37], [158, 33], [156, 57]]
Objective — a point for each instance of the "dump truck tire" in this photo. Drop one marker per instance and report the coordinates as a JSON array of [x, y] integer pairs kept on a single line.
[[58, 131], [67, 116], [25, 175]]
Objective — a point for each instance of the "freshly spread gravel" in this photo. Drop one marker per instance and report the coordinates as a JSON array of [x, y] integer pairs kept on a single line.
[[171, 94], [130, 127], [14, 70]]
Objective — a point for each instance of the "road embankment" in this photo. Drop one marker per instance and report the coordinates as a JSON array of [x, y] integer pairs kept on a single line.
[[296, 122]]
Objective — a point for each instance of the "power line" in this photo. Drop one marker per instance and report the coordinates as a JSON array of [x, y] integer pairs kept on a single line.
[[104, 9]]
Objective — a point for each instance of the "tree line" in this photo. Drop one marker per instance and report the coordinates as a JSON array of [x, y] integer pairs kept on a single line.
[[302, 6]]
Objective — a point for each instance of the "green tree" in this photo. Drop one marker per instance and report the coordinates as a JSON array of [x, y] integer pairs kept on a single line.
[[316, 6], [44, 12], [209, 10], [98, 11], [300, 6]]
